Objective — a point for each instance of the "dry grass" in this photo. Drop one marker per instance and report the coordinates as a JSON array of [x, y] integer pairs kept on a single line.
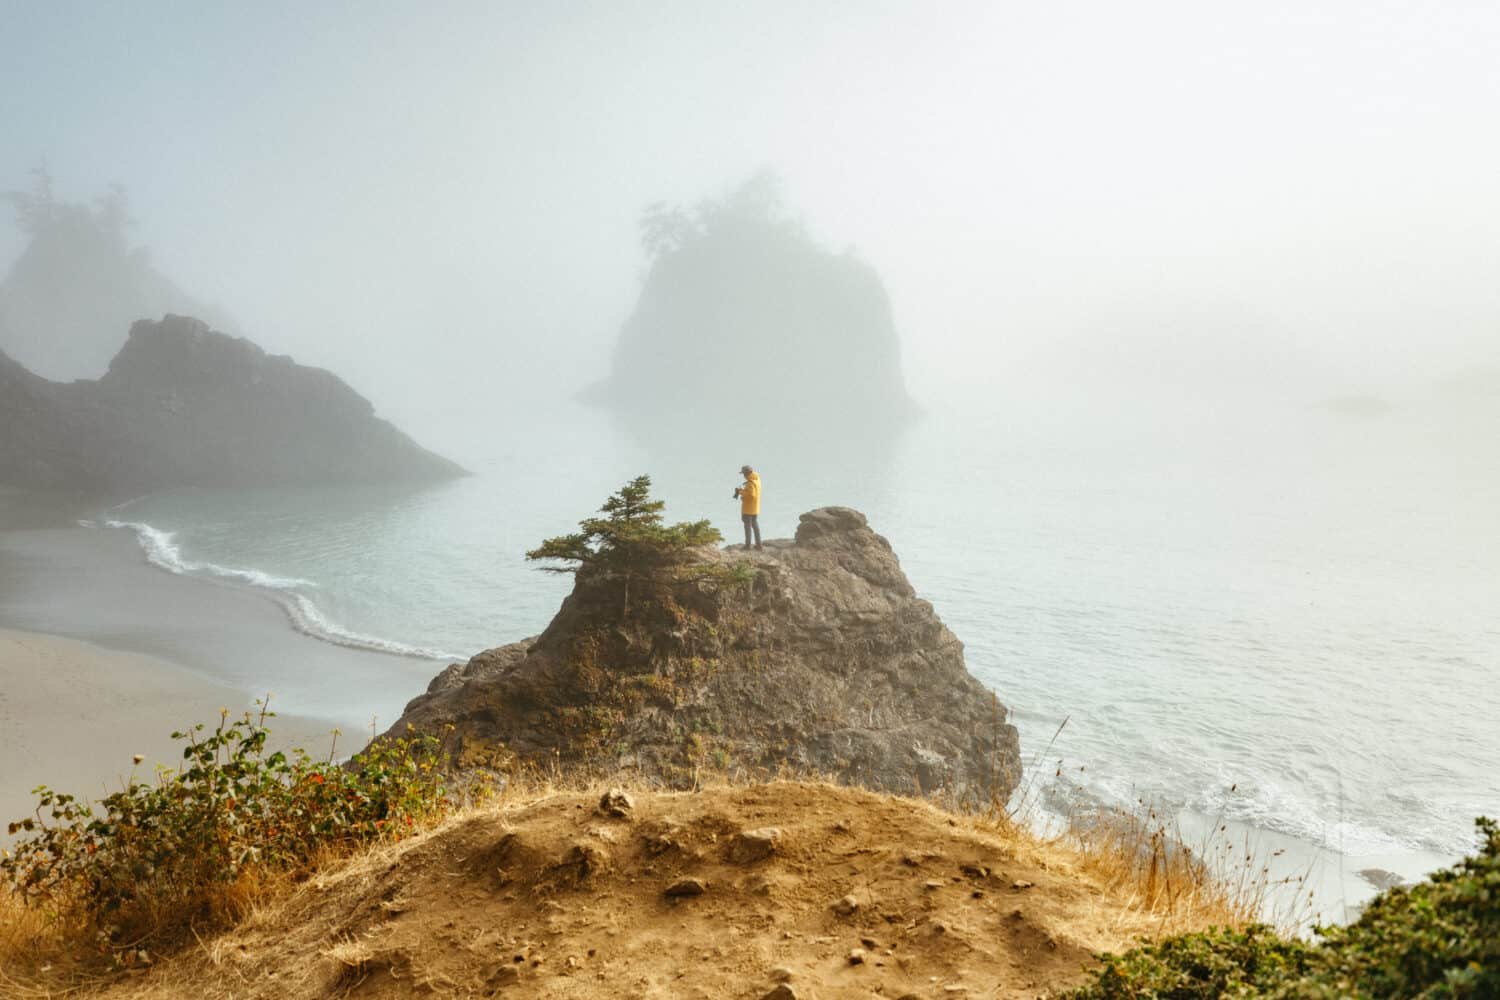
[[1148, 869], [39, 955], [1146, 864]]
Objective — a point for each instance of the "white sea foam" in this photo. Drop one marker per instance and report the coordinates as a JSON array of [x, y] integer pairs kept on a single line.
[[305, 616], [1273, 806], [309, 620], [162, 551]]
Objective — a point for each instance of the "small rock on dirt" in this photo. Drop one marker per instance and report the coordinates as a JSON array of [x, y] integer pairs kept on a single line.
[[506, 975], [845, 906], [754, 845], [616, 802], [781, 991], [1021, 883], [686, 887], [856, 956], [781, 974]]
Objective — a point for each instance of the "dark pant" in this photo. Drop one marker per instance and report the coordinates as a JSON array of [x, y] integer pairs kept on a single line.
[[752, 523]]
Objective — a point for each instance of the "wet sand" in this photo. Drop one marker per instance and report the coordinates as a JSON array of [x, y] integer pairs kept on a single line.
[[95, 585], [103, 655]]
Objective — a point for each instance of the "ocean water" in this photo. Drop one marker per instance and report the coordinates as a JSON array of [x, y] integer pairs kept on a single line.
[[1285, 619]]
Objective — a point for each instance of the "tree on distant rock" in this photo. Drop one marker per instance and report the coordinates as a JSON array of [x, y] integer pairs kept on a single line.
[[35, 209], [629, 544], [757, 205], [79, 282], [665, 228], [40, 214]]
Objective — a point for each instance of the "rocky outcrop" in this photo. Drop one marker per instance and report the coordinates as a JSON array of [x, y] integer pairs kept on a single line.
[[814, 655], [182, 405]]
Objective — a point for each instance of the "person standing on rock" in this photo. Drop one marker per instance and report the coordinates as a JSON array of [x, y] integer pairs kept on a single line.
[[748, 494]]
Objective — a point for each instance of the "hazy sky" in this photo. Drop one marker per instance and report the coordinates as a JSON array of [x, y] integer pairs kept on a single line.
[[439, 200]]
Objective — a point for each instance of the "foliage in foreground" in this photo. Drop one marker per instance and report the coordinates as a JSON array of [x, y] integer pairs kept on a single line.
[[1439, 938], [148, 862]]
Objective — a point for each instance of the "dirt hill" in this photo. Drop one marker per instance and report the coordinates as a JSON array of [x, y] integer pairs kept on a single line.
[[814, 656], [780, 890]]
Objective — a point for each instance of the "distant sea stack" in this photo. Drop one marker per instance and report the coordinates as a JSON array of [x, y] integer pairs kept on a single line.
[[79, 283], [815, 655], [745, 320], [183, 405]]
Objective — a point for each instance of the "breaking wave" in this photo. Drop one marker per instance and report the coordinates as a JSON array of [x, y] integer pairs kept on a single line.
[[162, 552], [304, 615], [306, 618]]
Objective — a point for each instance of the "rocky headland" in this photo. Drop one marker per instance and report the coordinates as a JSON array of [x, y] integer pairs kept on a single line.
[[183, 405], [813, 656]]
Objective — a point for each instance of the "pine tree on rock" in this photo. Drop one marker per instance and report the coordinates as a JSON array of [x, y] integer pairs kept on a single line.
[[629, 544]]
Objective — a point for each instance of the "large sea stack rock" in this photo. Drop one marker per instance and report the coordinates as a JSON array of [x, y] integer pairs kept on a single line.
[[814, 655], [182, 405], [745, 322]]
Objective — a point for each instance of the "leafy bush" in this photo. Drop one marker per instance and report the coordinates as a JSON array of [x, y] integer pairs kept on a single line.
[[1202, 966], [1439, 938], [154, 858]]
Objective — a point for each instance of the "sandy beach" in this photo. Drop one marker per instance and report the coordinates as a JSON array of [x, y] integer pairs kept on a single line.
[[95, 585], [72, 715], [102, 656]]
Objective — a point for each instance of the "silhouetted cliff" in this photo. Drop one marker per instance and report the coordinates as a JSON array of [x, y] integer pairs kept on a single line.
[[182, 405]]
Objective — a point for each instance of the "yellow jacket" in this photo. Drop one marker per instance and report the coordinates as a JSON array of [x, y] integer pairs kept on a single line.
[[750, 494]]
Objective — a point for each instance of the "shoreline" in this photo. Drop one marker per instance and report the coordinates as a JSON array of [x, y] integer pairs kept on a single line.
[[1306, 883], [93, 596], [98, 586], [103, 656], [72, 715]]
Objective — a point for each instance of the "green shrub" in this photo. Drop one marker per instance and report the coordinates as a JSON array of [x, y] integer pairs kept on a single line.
[[1439, 938], [1216, 963], [155, 858]]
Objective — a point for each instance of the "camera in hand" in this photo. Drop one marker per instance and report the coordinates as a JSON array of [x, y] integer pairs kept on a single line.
[[737, 492]]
